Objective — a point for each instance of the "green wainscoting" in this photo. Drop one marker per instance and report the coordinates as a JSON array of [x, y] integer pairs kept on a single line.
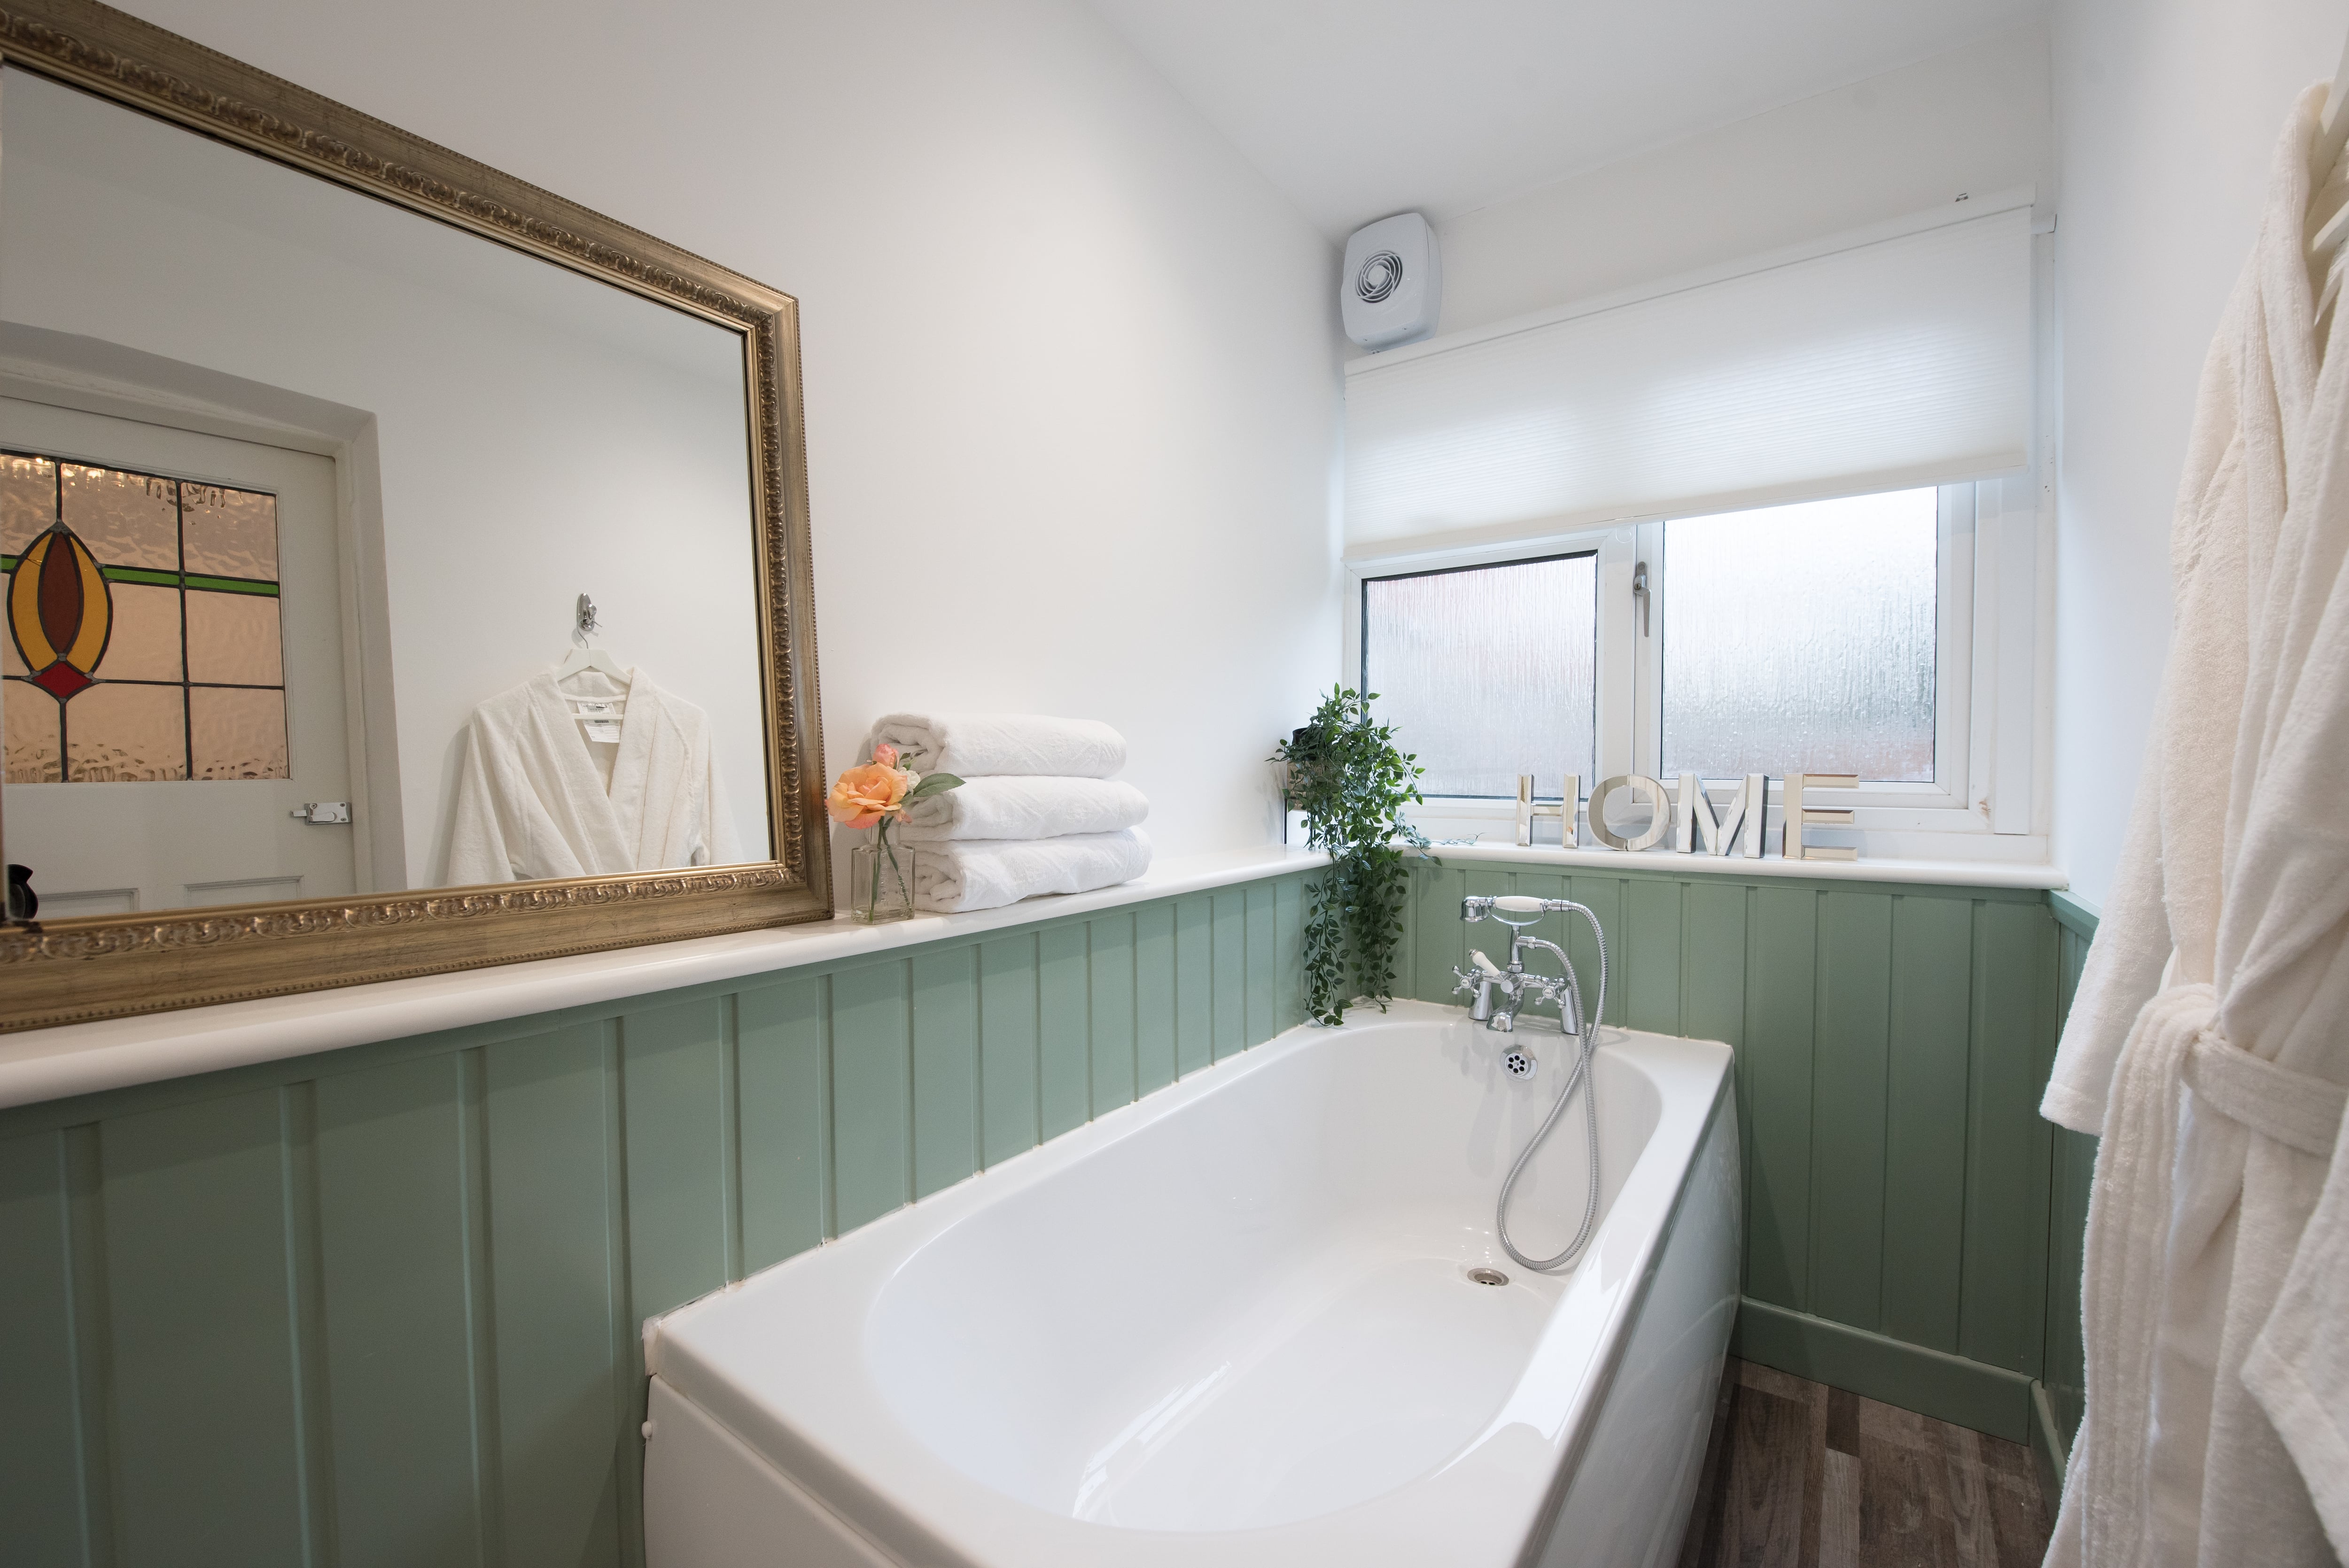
[[1892, 1041], [2064, 1379], [380, 1307]]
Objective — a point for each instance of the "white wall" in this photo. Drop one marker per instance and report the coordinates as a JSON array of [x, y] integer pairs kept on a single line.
[[1974, 120], [1073, 406], [2167, 112]]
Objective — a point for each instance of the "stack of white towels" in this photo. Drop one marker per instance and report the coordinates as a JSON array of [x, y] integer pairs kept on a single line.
[[1039, 810]]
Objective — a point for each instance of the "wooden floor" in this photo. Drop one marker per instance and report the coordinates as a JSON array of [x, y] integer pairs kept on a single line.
[[1800, 1474]]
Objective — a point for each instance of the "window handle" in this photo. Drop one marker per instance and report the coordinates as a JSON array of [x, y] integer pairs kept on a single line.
[[1639, 592]]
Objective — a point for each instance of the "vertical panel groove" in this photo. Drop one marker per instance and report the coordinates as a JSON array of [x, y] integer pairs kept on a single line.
[[730, 1129], [828, 1159], [298, 1154], [628, 1389], [481, 1311], [93, 1360]]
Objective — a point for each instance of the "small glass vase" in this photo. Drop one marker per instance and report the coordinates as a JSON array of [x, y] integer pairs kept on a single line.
[[881, 883]]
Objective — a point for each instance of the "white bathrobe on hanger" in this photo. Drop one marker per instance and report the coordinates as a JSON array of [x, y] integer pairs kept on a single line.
[[2207, 1044], [532, 802]]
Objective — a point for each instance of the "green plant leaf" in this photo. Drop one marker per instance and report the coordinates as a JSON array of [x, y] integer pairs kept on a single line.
[[1352, 782], [935, 784]]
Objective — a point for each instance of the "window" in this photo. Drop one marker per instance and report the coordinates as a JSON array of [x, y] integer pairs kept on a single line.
[[1803, 637], [143, 639], [1487, 672], [1830, 636]]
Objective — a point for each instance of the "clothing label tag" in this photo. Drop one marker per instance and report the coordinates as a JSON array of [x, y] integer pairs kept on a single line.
[[604, 729], [597, 709]]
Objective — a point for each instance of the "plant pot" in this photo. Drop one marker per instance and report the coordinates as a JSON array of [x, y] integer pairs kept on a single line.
[[881, 883]]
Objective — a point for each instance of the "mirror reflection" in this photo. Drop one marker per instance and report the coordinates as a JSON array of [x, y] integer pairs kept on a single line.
[[348, 551]]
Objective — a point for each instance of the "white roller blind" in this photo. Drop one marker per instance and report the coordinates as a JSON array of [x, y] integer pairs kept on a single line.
[[1901, 360]]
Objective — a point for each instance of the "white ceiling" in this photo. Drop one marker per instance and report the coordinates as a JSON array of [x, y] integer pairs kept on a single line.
[[1357, 109]]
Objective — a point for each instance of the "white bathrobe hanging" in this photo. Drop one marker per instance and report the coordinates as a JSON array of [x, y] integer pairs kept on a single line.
[[2206, 1044], [534, 801]]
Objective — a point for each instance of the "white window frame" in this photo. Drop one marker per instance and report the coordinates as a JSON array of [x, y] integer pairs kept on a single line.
[[1986, 802]]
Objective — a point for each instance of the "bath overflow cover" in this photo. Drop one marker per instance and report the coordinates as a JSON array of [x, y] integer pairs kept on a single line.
[[1488, 1276]]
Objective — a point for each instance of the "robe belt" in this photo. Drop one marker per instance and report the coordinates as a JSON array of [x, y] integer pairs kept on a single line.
[[2295, 1108]]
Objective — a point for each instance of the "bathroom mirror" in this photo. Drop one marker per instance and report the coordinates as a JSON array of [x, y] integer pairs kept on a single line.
[[405, 569]]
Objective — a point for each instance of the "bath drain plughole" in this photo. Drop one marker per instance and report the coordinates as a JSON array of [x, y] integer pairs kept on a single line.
[[1488, 1276]]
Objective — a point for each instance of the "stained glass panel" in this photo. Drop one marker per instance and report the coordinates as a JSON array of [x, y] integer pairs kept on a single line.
[[35, 756], [233, 639], [238, 733], [29, 501], [143, 586], [229, 532], [146, 642], [126, 734], [126, 518]]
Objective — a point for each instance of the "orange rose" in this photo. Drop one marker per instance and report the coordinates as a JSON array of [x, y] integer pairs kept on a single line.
[[866, 794]]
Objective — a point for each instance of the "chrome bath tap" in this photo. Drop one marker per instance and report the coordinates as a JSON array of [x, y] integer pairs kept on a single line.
[[1516, 986]]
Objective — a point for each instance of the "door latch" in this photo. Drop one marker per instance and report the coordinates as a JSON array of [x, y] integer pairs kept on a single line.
[[322, 813]]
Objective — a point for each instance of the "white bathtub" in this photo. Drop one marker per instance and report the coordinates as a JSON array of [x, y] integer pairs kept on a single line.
[[1233, 1324]]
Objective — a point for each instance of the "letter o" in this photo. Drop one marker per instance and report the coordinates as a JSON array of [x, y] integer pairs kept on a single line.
[[1659, 824]]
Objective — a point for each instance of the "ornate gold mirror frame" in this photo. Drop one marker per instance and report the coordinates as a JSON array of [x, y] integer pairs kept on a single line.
[[103, 966]]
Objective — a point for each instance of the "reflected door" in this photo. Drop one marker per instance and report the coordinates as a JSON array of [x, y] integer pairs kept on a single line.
[[173, 656]]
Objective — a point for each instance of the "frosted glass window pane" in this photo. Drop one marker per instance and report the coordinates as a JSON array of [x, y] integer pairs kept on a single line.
[[1801, 639], [126, 518], [237, 734], [35, 753], [144, 645], [118, 733], [1487, 672], [29, 501], [229, 532], [233, 639]]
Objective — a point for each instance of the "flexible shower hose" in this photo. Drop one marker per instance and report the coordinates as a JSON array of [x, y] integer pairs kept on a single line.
[[1580, 1076]]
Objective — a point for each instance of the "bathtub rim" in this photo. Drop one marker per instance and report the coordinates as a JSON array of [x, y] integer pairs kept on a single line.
[[896, 1509]]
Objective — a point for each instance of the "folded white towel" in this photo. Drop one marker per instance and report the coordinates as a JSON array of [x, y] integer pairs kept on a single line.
[[972, 744], [988, 874], [1011, 806]]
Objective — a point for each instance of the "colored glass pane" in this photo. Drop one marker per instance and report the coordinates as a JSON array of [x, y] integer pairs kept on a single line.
[[116, 734], [145, 643], [12, 662], [34, 755], [229, 532], [233, 639], [127, 519], [29, 501], [60, 613], [237, 734]]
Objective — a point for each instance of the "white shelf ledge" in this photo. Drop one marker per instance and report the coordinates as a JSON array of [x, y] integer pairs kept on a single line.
[[1938, 873], [114, 1053]]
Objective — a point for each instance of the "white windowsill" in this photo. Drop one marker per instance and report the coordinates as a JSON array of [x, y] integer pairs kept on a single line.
[[1931, 872], [115, 1053]]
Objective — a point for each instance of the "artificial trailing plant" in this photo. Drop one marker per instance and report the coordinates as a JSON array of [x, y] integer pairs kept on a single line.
[[1352, 782]]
